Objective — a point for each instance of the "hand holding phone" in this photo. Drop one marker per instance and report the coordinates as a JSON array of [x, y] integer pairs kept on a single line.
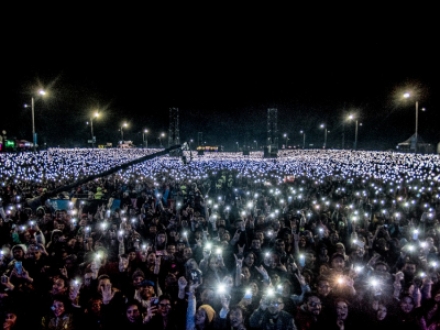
[[4, 279], [18, 267], [248, 294]]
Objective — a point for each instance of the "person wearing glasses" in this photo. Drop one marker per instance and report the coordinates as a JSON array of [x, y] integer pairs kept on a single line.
[[271, 316], [161, 316]]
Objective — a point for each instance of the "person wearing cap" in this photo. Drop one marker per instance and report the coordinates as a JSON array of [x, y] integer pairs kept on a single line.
[[37, 264], [342, 282], [136, 280]]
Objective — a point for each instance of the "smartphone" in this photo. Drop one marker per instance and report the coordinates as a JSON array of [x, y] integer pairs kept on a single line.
[[18, 267], [155, 301], [248, 294]]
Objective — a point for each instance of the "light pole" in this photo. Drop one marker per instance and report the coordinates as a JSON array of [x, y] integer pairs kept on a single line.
[[325, 135], [144, 141], [416, 134], [238, 146], [285, 136], [304, 138], [256, 144], [160, 138], [190, 143], [95, 115], [351, 117], [34, 134], [122, 131]]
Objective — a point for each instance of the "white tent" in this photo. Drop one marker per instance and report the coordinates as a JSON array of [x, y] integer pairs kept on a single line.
[[409, 145]]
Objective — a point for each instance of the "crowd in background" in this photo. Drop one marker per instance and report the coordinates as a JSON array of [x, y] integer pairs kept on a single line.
[[310, 240]]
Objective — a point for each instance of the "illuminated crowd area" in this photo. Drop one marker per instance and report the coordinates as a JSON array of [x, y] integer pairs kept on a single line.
[[297, 238]]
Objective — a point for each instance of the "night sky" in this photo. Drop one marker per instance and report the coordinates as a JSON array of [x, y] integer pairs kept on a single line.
[[223, 69]]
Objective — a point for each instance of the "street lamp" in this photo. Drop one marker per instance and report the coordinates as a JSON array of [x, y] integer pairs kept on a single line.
[[304, 138], [238, 146], [416, 137], [122, 131], [325, 135], [95, 115], [256, 144], [34, 134], [144, 141], [351, 117], [160, 139], [190, 143], [285, 136]]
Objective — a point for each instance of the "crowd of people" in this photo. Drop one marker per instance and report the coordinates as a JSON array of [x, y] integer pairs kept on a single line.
[[312, 239]]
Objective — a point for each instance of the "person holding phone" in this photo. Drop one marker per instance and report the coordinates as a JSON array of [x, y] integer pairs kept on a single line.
[[162, 316]]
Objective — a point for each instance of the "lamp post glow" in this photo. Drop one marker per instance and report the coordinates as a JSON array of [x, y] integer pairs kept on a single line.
[[144, 141], [416, 137], [34, 134], [325, 135], [122, 131], [304, 138], [160, 139], [95, 115], [285, 136], [351, 117]]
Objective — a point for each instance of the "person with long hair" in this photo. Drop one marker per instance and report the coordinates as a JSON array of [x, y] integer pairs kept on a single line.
[[428, 315], [405, 314], [132, 318], [61, 317], [11, 320]]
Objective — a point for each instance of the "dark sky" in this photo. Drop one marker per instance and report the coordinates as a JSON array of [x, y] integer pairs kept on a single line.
[[222, 69]]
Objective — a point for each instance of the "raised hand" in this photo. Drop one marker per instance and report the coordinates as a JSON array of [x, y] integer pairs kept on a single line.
[[182, 283], [301, 279], [262, 271], [399, 276], [238, 261]]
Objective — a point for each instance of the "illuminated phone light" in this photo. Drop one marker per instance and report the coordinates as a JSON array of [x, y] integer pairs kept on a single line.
[[358, 269], [270, 292], [221, 288]]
